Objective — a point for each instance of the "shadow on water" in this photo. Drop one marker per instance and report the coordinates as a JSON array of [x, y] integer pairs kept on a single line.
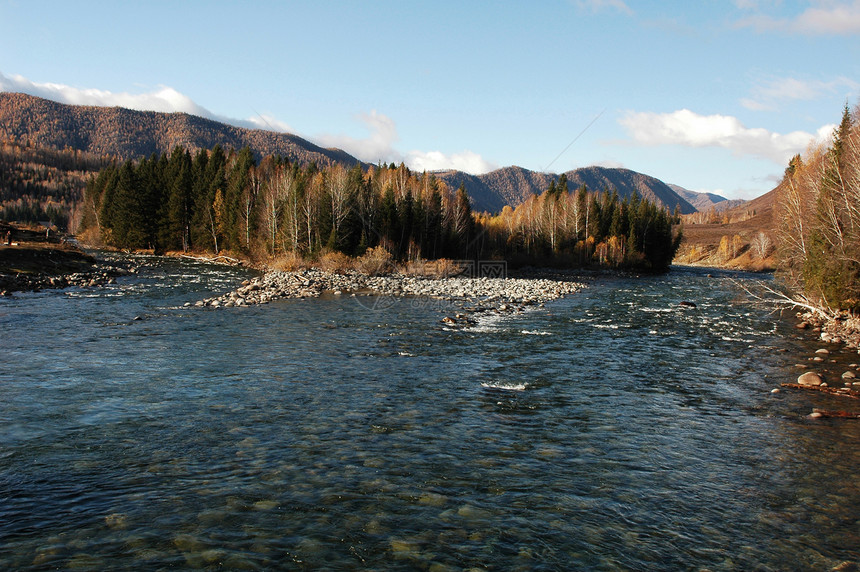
[[614, 429]]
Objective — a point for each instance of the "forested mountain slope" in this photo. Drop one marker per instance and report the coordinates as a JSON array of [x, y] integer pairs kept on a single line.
[[129, 134]]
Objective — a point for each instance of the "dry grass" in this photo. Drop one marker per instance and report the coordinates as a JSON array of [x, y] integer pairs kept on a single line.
[[289, 262]]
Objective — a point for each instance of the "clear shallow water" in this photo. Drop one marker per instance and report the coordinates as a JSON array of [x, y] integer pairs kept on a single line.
[[611, 430]]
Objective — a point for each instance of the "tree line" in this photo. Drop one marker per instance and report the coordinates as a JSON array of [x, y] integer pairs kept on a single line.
[[818, 219], [581, 228], [227, 201]]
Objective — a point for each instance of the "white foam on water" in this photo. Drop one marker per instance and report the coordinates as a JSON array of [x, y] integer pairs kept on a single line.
[[487, 323], [535, 333], [506, 385]]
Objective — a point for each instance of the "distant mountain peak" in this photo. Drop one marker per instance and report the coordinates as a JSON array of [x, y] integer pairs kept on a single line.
[[513, 185]]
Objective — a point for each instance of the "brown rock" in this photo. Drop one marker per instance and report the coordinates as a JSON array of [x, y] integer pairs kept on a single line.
[[810, 378]]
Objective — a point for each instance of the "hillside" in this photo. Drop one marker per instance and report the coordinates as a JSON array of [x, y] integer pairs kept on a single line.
[[704, 202], [741, 237], [491, 191], [626, 181], [512, 185], [129, 134]]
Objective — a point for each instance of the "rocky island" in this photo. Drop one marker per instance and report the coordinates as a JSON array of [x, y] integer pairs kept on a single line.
[[469, 295]]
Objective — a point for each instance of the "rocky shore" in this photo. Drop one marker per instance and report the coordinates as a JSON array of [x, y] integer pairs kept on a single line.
[[841, 329], [38, 267], [36, 282], [469, 295]]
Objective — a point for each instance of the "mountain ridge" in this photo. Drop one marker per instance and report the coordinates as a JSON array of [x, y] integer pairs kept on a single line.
[[132, 134], [512, 185]]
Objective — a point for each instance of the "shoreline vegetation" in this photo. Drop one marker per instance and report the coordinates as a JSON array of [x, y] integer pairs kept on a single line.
[[37, 260], [270, 208]]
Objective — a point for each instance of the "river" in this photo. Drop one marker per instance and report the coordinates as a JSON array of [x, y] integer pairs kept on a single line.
[[610, 430]]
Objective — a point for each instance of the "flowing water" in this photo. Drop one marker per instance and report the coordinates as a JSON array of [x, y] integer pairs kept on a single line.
[[611, 430]]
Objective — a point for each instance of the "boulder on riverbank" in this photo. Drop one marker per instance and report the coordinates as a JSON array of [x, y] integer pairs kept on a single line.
[[810, 378]]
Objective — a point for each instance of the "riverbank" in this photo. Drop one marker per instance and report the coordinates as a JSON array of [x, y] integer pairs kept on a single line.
[[26, 267], [467, 295], [843, 328]]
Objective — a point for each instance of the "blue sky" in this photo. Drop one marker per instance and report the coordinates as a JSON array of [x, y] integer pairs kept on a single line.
[[713, 95]]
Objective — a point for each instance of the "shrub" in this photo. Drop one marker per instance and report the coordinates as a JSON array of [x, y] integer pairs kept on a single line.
[[334, 261], [373, 262]]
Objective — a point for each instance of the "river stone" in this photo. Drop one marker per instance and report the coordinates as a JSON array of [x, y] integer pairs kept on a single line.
[[822, 351], [849, 375], [810, 378]]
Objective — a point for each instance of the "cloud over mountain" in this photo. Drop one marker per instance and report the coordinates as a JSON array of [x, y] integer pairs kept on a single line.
[[378, 145]]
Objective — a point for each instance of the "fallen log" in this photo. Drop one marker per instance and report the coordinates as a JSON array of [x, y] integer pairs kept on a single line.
[[835, 414], [842, 391], [230, 260]]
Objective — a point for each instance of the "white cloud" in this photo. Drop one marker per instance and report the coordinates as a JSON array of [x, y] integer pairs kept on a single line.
[[690, 129], [467, 161], [164, 99], [267, 122], [766, 95], [600, 5], [824, 17], [379, 146]]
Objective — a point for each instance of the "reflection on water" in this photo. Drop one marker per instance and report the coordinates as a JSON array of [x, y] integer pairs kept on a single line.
[[610, 430]]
